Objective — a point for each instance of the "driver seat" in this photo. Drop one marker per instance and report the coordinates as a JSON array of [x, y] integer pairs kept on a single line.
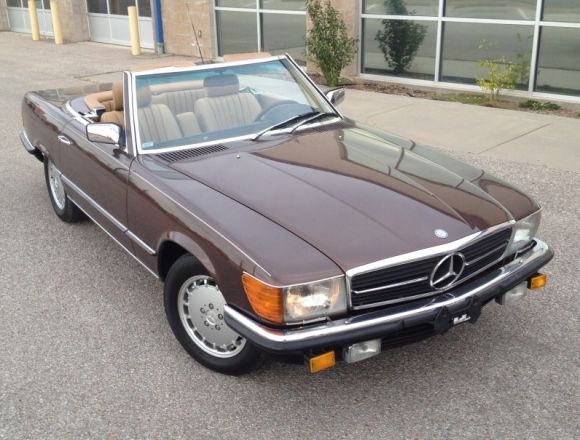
[[224, 107]]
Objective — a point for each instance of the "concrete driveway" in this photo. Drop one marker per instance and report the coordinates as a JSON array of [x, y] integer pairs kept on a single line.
[[85, 351]]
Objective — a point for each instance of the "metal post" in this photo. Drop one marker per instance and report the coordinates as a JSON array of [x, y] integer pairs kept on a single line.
[[134, 31], [34, 27], [157, 19], [56, 27]]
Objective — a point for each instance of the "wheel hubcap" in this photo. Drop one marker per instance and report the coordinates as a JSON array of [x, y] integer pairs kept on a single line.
[[201, 309], [56, 187]]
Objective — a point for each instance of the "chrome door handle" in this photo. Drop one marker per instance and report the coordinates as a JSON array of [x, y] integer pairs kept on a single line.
[[64, 140]]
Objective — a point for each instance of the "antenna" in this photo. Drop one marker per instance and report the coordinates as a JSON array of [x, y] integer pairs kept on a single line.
[[194, 33]]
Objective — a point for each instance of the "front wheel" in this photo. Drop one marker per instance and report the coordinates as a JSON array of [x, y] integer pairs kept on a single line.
[[63, 207], [194, 307]]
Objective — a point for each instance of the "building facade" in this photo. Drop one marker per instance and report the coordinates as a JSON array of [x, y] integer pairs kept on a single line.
[[422, 42]]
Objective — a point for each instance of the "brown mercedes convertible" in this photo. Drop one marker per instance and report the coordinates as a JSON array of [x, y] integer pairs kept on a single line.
[[276, 223]]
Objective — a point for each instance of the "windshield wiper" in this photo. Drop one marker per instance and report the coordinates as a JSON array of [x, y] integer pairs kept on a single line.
[[286, 122], [313, 118]]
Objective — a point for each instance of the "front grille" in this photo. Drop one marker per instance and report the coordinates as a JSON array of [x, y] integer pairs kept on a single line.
[[409, 280]]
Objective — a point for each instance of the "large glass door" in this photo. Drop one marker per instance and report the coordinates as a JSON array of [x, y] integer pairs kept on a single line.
[[109, 23], [20, 18]]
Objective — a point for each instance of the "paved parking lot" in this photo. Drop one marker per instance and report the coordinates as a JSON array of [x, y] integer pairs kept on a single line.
[[86, 351]]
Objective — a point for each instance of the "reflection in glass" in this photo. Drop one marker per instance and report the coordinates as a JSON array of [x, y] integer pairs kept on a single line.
[[119, 7], [559, 61], [562, 10], [464, 44], [284, 33], [14, 3], [237, 32], [144, 8], [500, 9], [250, 4], [427, 8], [288, 5], [97, 6], [400, 47]]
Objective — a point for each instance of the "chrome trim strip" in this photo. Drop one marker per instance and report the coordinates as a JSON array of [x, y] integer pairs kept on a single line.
[[235, 246], [428, 252], [487, 254], [141, 243], [349, 326], [76, 115], [95, 205], [114, 239], [391, 286]]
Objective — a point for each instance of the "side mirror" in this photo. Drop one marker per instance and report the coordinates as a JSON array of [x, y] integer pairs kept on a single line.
[[104, 133], [335, 96]]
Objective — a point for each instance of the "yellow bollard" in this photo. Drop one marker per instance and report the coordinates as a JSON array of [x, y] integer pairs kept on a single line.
[[34, 27], [56, 29], [134, 31]]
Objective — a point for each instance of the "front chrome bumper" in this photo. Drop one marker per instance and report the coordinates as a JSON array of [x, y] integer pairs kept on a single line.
[[438, 311]]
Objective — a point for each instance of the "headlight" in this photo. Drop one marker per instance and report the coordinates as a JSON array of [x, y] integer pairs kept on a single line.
[[296, 303], [524, 231]]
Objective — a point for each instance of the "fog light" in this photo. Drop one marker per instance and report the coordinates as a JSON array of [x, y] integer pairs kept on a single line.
[[362, 350], [513, 295], [538, 281], [322, 362]]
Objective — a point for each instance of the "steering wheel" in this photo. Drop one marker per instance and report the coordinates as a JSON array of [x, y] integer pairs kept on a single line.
[[262, 115]]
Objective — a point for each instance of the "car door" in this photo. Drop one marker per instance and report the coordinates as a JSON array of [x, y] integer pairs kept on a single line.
[[96, 176]]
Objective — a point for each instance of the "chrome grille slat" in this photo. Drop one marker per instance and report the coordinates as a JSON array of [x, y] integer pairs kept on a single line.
[[409, 281]]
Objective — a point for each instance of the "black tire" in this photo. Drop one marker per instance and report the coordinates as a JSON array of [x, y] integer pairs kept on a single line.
[[68, 212], [181, 273]]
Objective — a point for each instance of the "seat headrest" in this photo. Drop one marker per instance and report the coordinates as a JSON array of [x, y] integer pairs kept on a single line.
[[144, 96], [221, 85], [118, 96]]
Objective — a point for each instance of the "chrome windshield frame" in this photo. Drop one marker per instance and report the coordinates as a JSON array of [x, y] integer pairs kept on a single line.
[[133, 117]]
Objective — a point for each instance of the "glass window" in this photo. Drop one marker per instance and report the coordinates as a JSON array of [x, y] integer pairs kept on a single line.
[[500, 9], [559, 61], [250, 4], [466, 43], [97, 6], [14, 3], [119, 7], [288, 5], [561, 10], [144, 8], [284, 33], [399, 47], [428, 8], [237, 32]]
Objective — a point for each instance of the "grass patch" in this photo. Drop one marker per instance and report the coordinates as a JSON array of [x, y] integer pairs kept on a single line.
[[532, 104]]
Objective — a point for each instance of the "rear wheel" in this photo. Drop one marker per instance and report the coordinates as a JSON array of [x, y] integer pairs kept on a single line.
[[194, 306], [64, 208]]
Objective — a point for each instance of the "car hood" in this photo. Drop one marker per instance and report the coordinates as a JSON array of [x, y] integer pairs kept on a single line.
[[354, 196]]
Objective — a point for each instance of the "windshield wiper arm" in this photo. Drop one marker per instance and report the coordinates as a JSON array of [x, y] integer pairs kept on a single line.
[[285, 122], [312, 119]]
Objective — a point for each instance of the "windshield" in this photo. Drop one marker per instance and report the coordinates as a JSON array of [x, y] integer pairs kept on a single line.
[[176, 109]]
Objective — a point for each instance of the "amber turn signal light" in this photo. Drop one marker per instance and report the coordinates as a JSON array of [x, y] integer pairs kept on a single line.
[[322, 362], [537, 281], [266, 300]]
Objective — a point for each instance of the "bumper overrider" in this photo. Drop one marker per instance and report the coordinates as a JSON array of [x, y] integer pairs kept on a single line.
[[440, 313]]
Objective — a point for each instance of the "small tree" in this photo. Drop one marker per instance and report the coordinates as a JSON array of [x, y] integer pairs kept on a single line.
[[400, 39], [327, 42], [501, 73]]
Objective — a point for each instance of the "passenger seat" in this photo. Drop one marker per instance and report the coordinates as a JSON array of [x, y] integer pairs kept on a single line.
[[116, 115], [156, 122], [225, 107]]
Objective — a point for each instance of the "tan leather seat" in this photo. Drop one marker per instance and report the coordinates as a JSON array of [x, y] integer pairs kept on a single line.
[[156, 122], [225, 107], [116, 116]]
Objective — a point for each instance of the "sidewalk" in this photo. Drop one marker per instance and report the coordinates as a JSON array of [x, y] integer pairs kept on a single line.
[[525, 137]]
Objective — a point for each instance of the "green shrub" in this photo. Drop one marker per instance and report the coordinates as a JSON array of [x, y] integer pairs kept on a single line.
[[400, 40], [327, 42], [532, 104]]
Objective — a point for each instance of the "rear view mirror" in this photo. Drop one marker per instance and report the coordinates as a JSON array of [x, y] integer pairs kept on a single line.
[[335, 96], [104, 133]]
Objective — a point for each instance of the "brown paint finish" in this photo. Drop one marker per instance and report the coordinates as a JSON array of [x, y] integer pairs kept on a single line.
[[288, 209]]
